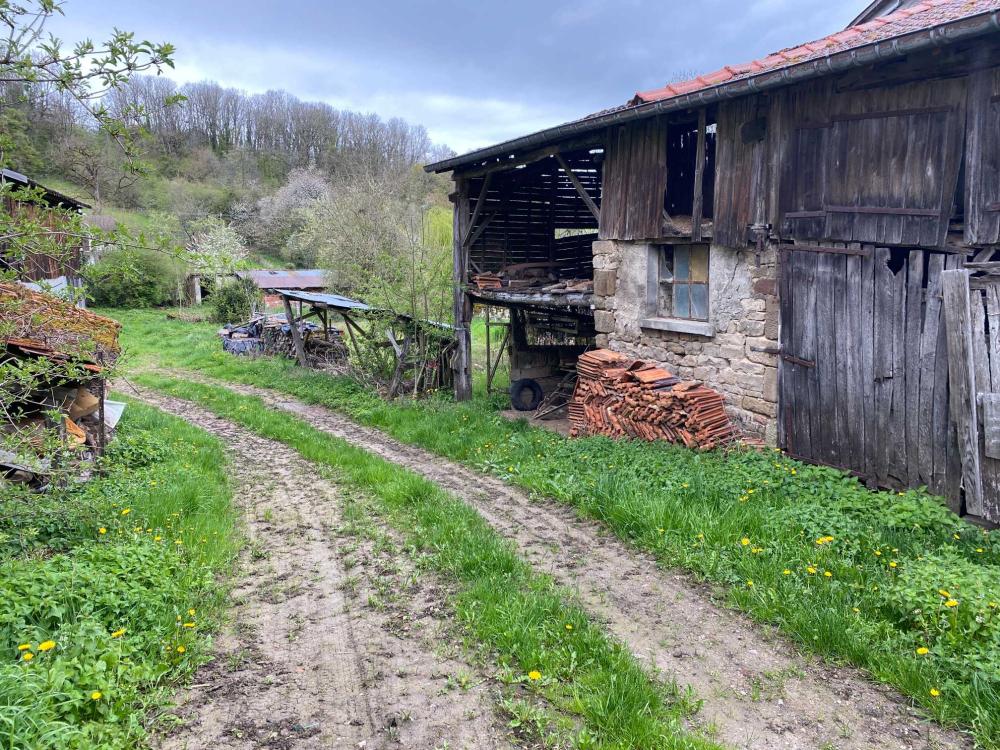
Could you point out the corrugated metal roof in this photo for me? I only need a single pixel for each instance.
(925, 25)
(925, 15)
(52, 196)
(300, 278)
(335, 301)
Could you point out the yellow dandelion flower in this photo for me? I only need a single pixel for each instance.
(745, 541)
(118, 633)
(811, 570)
(951, 603)
(27, 656)
(979, 550)
(935, 692)
(191, 612)
(46, 645)
(827, 574)
(923, 651)
(24, 647)
(534, 675)
(189, 625)
(569, 626)
(878, 553)
(126, 511)
(157, 538)
(944, 593)
(181, 649)
(893, 564)
(96, 695)
(749, 584)
(786, 572)
(102, 530)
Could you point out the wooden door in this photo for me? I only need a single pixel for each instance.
(864, 368)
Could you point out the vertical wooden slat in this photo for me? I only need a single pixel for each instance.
(993, 316)
(928, 369)
(699, 179)
(911, 368)
(897, 414)
(825, 443)
(841, 331)
(885, 301)
(866, 342)
(462, 307)
(852, 337)
(961, 381)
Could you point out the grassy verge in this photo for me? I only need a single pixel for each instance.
(893, 583)
(109, 588)
(519, 614)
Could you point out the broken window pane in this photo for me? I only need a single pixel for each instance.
(699, 301)
(682, 307)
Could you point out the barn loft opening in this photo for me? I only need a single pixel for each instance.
(682, 162)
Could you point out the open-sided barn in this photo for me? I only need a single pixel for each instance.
(812, 234)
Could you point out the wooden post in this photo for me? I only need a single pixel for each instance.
(300, 350)
(699, 179)
(962, 381)
(580, 189)
(462, 303)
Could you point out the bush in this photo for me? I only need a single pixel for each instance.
(134, 278)
(236, 301)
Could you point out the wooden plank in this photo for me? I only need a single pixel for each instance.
(580, 189)
(809, 396)
(462, 306)
(850, 337)
(911, 365)
(300, 350)
(962, 382)
(991, 426)
(480, 202)
(826, 441)
(884, 322)
(699, 179)
(866, 342)
(897, 412)
(928, 371)
(852, 249)
(993, 317)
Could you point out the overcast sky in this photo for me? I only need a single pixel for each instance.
(473, 72)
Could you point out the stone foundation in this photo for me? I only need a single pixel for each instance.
(735, 353)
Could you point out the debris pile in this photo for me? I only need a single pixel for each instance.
(621, 397)
(544, 278)
(272, 335)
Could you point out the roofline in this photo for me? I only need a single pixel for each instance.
(916, 41)
(863, 14)
(10, 174)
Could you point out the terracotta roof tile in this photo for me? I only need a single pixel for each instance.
(920, 17)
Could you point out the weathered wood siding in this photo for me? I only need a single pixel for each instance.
(982, 173)
(864, 371)
(635, 181)
(875, 165)
(737, 181)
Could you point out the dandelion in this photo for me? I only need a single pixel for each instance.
(96, 695)
(979, 550)
(569, 626)
(534, 675)
(46, 645)
(923, 651)
(827, 574)
(878, 553)
(811, 570)
(749, 584)
(955, 536)
(685, 485)
(157, 538)
(935, 692)
(745, 541)
(191, 612)
(126, 511)
(24, 647)
(118, 633)
(102, 530)
(27, 656)
(893, 564)
(944, 593)
(786, 572)
(189, 625)
(951, 603)
(181, 649)
(855, 610)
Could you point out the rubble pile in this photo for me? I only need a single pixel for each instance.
(622, 397)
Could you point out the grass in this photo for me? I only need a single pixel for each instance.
(526, 621)
(98, 582)
(905, 575)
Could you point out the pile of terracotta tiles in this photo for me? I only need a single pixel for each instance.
(621, 397)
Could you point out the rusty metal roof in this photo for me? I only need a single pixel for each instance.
(928, 24)
(300, 278)
(925, 15)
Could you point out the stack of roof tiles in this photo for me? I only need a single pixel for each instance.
(621, 397)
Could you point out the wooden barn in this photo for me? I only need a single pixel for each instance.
(812, 234)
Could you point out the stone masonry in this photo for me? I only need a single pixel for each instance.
(735, 354)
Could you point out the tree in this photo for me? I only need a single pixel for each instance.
(215, 247)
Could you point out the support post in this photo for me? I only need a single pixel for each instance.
(962, 381)
(699, 179)
(462, 303)
(580, 189)
(300, 350)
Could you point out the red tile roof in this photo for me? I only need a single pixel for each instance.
(919, 17)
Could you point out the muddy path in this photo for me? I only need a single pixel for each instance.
(336, 642)
(758, 690)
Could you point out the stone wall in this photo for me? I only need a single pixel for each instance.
(734, 354)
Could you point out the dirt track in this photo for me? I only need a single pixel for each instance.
(335, 643)
(758, 690)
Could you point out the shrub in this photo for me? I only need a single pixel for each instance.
(134, 278)
(235, 301)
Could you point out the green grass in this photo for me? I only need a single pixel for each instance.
(889, 559)
(520, 615)
(96, 571)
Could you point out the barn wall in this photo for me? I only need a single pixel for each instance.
(635, 181)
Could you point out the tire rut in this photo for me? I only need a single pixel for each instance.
(758, 690)
(307, 664)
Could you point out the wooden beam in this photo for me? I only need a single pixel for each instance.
(462, 305)
(962, 381)
(595, 140)
(579, 187)
(699, 179)
(476, 234)
(480, 202)
(300, 350)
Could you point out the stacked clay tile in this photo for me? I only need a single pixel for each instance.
(621, 397)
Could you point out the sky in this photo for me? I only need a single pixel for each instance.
(473, 72)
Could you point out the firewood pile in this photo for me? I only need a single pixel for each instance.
(272, 335)
(621, 397)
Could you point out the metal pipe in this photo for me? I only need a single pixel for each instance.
(949, 33)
